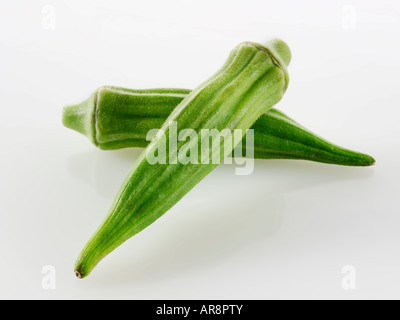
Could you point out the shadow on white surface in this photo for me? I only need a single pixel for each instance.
(218, 224)
(102, 170)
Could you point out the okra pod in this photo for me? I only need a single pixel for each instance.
(115, 118)
(253, 79)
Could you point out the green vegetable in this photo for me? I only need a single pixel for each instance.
(115, 118)
(252, 80)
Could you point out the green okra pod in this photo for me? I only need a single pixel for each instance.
(252, 80)
(114, 118)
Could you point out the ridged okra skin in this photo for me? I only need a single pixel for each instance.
(279, 137)
(114, 118)
(252, 80)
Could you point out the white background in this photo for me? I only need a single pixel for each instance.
(285, 232)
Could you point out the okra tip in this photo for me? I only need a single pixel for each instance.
(81, 272)
(358, 159)
(84, 265)
(371, 161)
(80, 117)
(280, 50)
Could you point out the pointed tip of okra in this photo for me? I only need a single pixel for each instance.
(357, 159)
(369, 161)
(280, 50)
(80, 117)
(81, 271)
